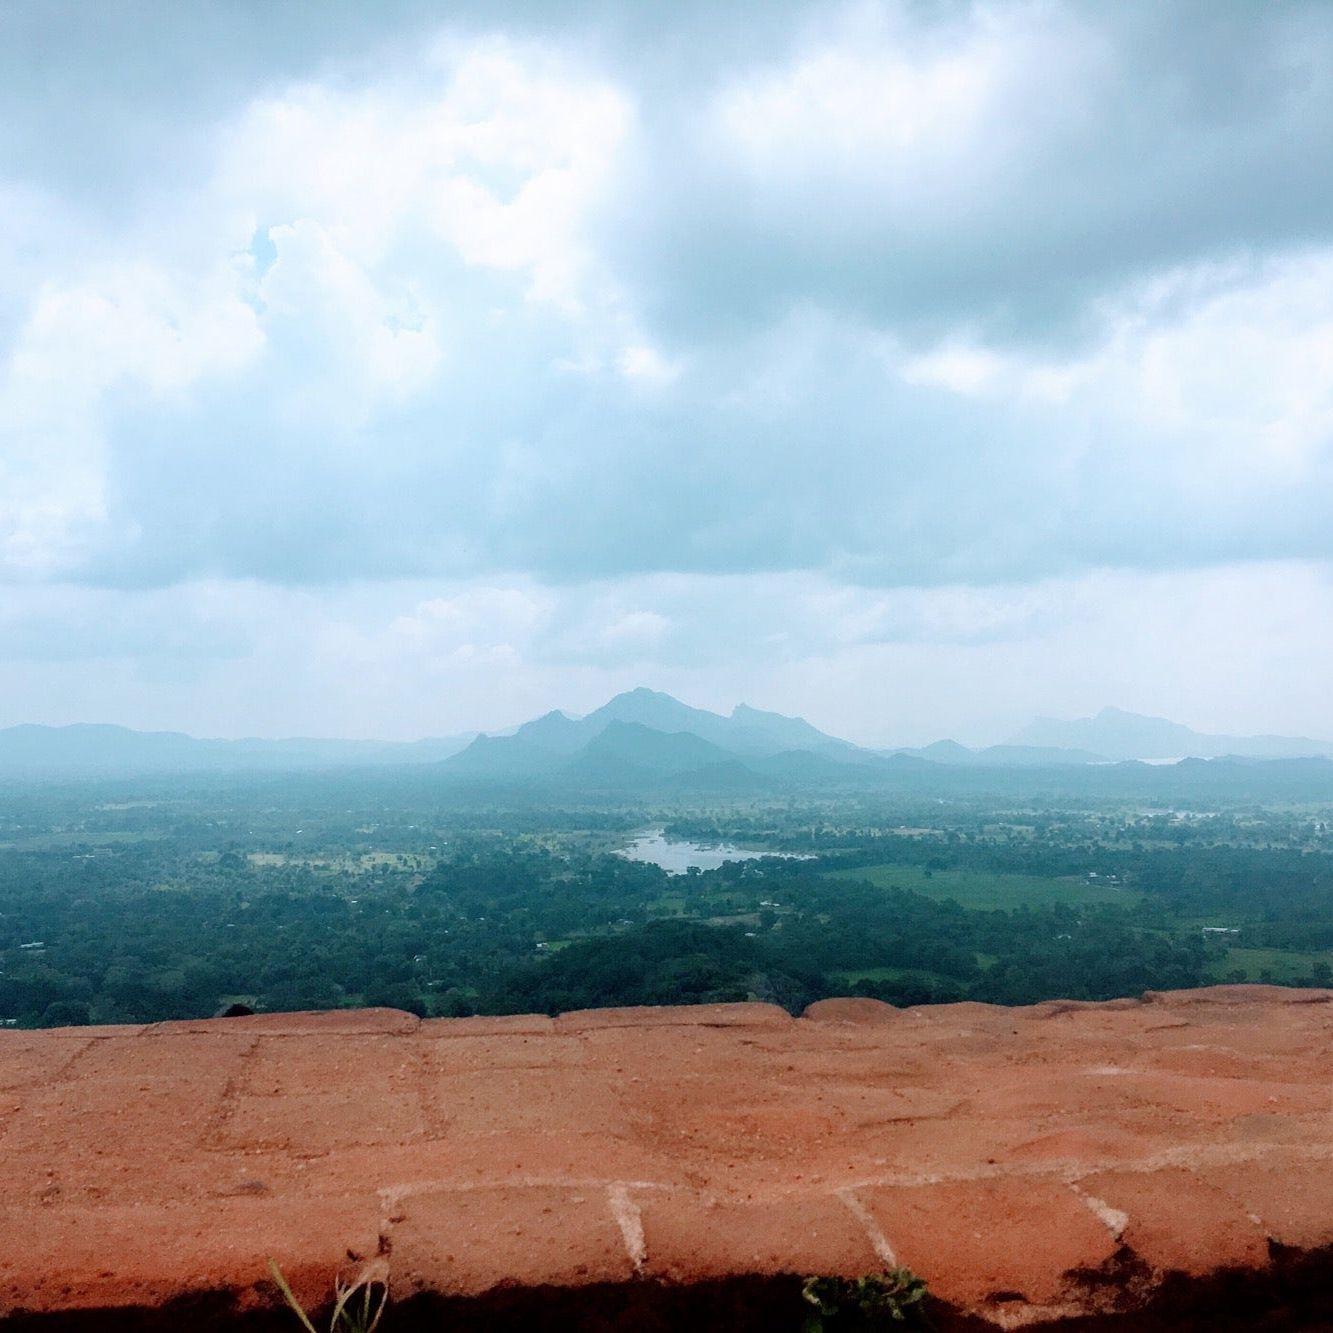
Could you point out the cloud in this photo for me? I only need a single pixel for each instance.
(408, 659)
(361, 445)
(387, 332)
(996, 167)
(884, 306)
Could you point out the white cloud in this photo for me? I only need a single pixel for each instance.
(328, 252)
(495, 150)
(879, 94)
(1209, 386)
(859, 337)
(965, 370)
(1249, 369)
(408, 659)
(377, 343)
(125, 328)
(647, 365)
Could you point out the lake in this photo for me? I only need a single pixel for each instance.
(676, 857)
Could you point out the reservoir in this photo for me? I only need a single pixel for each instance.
(676, 857)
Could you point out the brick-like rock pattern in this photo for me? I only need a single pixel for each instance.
(1018, 1159)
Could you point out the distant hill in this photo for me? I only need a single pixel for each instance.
(502, 756)
(101, 749)
(1117, 734)
(645, 742)
(746, 731)
(638, 738)
(644, 738)
(1002, 756)
(653, 750)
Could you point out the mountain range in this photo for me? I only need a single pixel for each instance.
(640, 738)
(103, 749)
(650, 725)
(643, 736)
(1115, 734)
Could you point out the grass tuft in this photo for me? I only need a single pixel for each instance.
(357, 1307)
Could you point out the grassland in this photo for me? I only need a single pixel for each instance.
(982, 891)
(1280, 965)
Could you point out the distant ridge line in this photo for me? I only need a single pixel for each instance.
(642, 736)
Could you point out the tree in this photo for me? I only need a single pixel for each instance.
(66, 1014)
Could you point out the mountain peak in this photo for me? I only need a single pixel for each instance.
(642, 692)
(749, 710)
(1110, 713)
(649, 706)
(640, 721)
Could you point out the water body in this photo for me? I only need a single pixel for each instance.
(676, 857)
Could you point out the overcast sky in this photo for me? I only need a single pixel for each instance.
(398, 369)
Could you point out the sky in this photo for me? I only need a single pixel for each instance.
(403, 369)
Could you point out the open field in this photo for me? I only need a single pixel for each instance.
(982, 891)
(1281, 965)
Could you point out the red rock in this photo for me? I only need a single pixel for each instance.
(688, 1236)
(162, 1057)
(310, 1124)
(504, 1101)
(690, 1015)
(1054, 1008)
(1176, 1221)
(77, 1258)
(514, 1050)
(302, 1024)
(858, 1009)
(501, 1025)
(463, 1242)
(30, 1060)
(1087, 1146)
(1290, 1194)
(1245, 994)
(992, 1241)
(1006, 1155)
(291, 1066)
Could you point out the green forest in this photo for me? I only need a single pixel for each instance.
(156, 900)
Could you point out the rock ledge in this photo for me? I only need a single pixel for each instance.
(1035, 1165)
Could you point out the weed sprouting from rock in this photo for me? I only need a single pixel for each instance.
(844, 1305)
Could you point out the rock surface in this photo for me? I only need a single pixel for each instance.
(1034, 1165)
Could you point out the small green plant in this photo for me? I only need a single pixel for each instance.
(896, 1296)
(357, 1306)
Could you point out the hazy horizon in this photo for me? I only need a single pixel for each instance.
(917, 370)
(976, 742)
